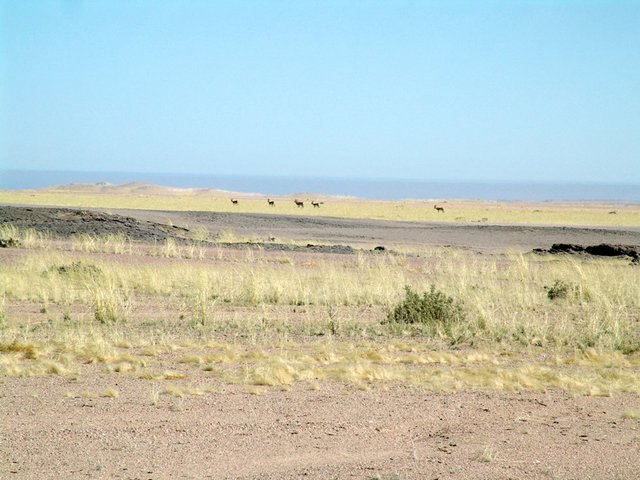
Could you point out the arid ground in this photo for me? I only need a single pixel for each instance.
(153, 226)
(157, 344)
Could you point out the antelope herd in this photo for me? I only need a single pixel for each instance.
(300, 204)
(272, 203)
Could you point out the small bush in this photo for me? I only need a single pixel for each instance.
(110, 306)
(563, 290)
(77, 268)
(432, 308)
(9, 243)
(559, 289)
(3, 313)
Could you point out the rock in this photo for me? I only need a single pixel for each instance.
(602, 250)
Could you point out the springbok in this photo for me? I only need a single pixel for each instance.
(439, 209)
(299, 203)
(234, 201)
(271, 203)
(316, 204)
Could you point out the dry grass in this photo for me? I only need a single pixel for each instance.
(488, 455)
(364, 365)
(273, 321)
(505, 299)
(630, 415)
(455, 211)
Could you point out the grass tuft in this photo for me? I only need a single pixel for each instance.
(488, 455)
(630, 415)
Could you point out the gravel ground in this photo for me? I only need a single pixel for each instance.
(335, 235)
(336, 431)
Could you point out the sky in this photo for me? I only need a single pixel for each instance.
(428, 90)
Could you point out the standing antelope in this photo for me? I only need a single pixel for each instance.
(316, 204)
(234, 201)
(272, 203)
(299, 203)
(439, 209)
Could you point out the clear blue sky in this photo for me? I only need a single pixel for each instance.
(448, 90)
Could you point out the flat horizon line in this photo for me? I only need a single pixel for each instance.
(345, 178)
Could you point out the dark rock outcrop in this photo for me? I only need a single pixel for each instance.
(601, 250)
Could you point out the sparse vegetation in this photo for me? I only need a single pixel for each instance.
(177, 335)
(488, 455)
(432, 309)
(630, 415)
(78, 268)
(3, 313)
(560, 290)
(270, 321)
(117, 243)
(9, 242)
(12, 237)
(491, 212)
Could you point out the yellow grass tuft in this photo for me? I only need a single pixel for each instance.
(276, 372)
(193, 359)
(28, 350)
(169, 375)
(254, 390)
(151, 350)
(181, 391)
(109, 393)
(487, 455)
(88, 394)
(630, 415)
(174, 390)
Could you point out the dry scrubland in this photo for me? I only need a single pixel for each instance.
(267, 319)
(167, 324)
(149, 197)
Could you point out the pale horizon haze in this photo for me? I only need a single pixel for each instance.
(505, 91)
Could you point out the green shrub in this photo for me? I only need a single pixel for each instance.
(559, 289)
(77, 268)
(3, 313)
(433, 308)
(9, 243)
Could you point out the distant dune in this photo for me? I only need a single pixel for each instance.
(136, 188)
(146, 189)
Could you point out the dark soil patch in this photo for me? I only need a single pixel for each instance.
(63, 223)
(283, 247)
(601, 250)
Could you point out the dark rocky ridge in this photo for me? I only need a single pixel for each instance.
(601, 250)
(63, 223)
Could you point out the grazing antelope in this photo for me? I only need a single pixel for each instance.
(271, 203)
(299, 203)
(234, 201)
(316, 204)
(439, 209)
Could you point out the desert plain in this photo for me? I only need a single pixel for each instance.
(154, 333)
